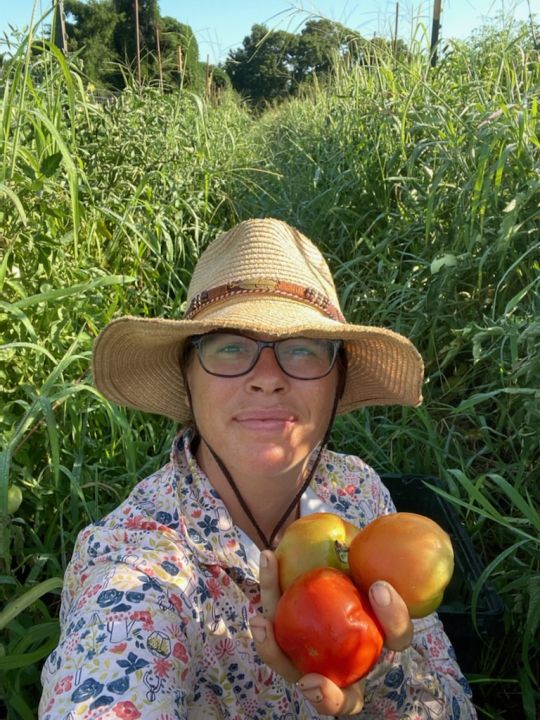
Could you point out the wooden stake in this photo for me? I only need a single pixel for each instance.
(159, 59)
(396, 29)
(533, 29)
(435, 31)
(137, 39)
(60, 39)
(208, 75)
(180, 67)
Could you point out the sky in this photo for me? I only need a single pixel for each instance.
(221, 25)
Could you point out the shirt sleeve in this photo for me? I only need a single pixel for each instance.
(123, 652)
(423, 682)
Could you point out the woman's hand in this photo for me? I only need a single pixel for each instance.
(326, 696)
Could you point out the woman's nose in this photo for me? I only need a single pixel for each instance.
(267, 374)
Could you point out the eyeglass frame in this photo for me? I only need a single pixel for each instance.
(195, 341)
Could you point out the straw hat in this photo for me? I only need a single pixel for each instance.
(263, 276)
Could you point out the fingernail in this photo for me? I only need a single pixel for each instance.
(381, 594)
(313, 694)
(305, 686)
(258, 633)
(263, 562)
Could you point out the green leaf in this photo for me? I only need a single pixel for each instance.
(15, 200)
(22, 317)
(5, 464)
(11, 662)
(518, 501)
(14, 608)
(79, 289)
(489, 570)
(532, 622)
(50, 164)
(52, 432)
(478, 398)
(528, 695)
(3, 268)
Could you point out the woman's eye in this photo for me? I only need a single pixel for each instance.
(230, 349)
(301, 351)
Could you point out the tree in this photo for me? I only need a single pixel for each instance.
(90, 27)
(174, 35)
(320, 45)
(125, 36)
(262, 70)
(272, 64)
(377, 50)
(220, 79)
(103, 33)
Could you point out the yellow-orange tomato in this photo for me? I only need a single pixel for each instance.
(318, 540)
(411, 552)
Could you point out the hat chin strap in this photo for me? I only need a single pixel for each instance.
(268, 541)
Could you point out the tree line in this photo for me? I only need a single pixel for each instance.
(269, 66)
(103, 34)
(272, 65)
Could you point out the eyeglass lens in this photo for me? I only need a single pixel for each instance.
(228, 354)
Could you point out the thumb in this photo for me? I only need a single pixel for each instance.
(269, 583)
(393, 615)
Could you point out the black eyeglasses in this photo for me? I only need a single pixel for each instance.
(232, 354)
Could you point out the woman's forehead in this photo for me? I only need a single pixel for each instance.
(255, 335)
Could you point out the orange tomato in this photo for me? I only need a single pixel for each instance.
(411, 552)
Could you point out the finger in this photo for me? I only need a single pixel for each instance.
(393, 615)
(269, 583)
(328, 698)
(269, 651)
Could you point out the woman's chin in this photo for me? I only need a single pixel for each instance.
(273, 459)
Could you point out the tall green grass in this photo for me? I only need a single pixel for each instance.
(103, 209)
(422, 187)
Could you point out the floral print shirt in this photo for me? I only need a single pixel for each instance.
(157, 600)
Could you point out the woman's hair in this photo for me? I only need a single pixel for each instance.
(342, 364)
(186, 356)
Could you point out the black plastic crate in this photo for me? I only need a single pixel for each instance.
(410, 494)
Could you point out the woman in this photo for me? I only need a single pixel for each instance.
(168, 602)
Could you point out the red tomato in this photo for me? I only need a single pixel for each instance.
(324, 624)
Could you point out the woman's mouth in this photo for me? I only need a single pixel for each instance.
(265, 420)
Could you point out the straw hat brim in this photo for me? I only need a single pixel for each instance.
(136, 361)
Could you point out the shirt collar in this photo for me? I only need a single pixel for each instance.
(210, 529)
